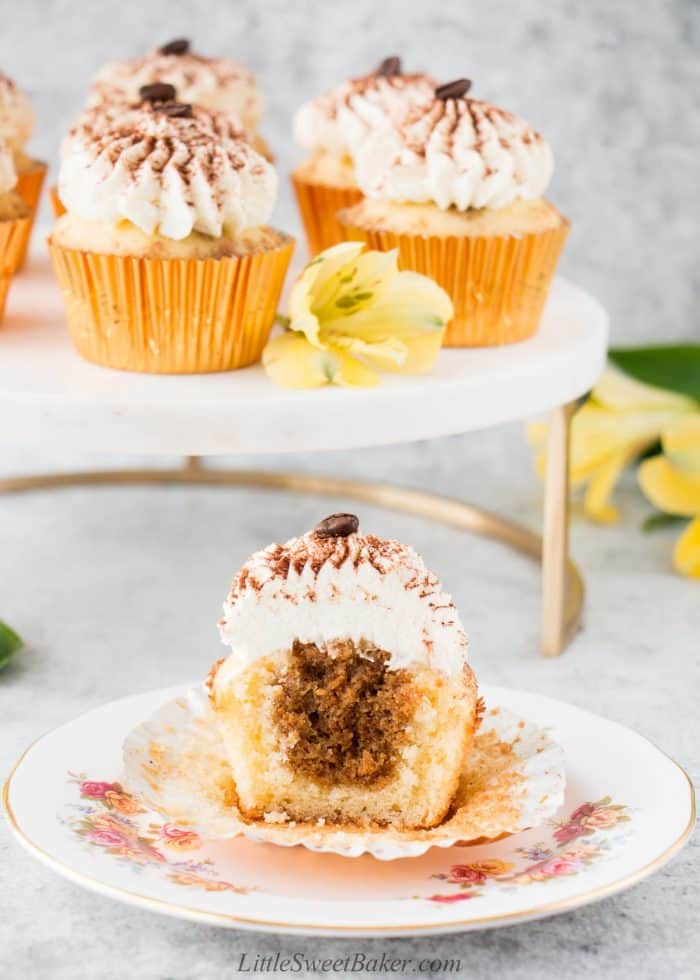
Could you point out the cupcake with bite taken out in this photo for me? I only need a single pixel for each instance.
(332, 128)
(15, 223)
(164, 256)
(346, 697)
(457, 187)
(16, 127)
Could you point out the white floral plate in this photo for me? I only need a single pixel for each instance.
(628, 809)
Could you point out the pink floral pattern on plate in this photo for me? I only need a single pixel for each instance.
(110, 818)
(576, 843)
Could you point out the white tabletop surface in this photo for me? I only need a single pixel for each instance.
(50, 396)
(118, 590)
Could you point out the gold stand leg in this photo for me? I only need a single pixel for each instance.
(558, 623)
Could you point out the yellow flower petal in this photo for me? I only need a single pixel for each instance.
(596, 432)
(619, 391)
(681, 442)
(596, 503)
(353, 373)
(406, 307)
(358, 285)
(670, 490)
(389, 351)
(358, 311)
(291, 361)
(317, 279)
(536, 433)
(686, 554)
(421, 353)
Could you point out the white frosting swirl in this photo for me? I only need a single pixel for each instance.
(339, 121)
(95, 119)
(458, 153)
(215, 83)
(16, 115)
(318, 590)
(8, 176)
(166, 174)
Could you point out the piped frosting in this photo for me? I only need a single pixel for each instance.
(16, 115)
(165, 172)
(215, 83)
(358, 587)
(8, 176)
(338, 122)
(455, 152)
(97, 118)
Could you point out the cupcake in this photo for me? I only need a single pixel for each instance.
(164, 258)
(457, 187)
(213, 83)
(15, 223)
(332, 128)
(16, 127)
(346, 698)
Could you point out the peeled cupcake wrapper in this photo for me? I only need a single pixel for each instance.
(175, 763)
(14, 235)
(498, 283)
(319, 205)
(29, 184)
(171, 316)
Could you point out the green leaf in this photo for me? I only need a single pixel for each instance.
(655, 522)
(674, 368)
(10, 643)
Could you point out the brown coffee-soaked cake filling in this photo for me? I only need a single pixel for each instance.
(343, 713)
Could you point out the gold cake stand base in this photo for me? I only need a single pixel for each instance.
(562, 584)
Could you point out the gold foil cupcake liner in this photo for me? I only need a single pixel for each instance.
(175, 764)
(171, 316)
(14, 235)
(29, 185)
(319, 205)
(56, 202)
(498, 284)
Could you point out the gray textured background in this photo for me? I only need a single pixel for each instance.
(117, 591)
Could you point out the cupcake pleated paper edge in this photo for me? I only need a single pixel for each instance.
(318, 206)
(514, 779)
(171, 316)
(498, 283)
(14, 235)
(29, 185)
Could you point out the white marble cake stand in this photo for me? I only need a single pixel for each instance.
(50, 397)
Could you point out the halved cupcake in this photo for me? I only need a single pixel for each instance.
(347, 697)
(16, 127)
(332, 128)
(457, 187)
(164, 258)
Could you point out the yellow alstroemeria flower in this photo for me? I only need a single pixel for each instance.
(672, 483)
(621, 419)
(352, 313)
